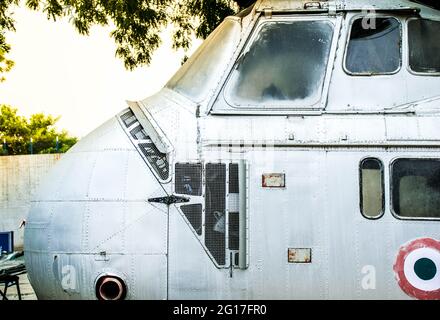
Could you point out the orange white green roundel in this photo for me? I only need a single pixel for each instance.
(417, 269)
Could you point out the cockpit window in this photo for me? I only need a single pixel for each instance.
(285, 65)
(374, 46)
(424, 46)
(416, 188)
(199, 75)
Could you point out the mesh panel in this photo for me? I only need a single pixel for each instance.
(215, 211)
(233, 230)
(189, 179)
(193, 213)
(157, 159)
(233, 178)
(128, 118)
(139, 133)
(233, 207)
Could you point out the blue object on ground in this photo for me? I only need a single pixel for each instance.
(7, 242)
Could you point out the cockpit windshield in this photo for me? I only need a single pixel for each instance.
(199, 75)
(285, 65)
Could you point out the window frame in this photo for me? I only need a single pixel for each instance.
(408, 53)
(221, 103)
(382, 175)
(347, 43)
(395, 215)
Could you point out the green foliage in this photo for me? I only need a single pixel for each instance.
(199, 18)
(5, 64)
(18, 131)
(137, 23)
(6, 23)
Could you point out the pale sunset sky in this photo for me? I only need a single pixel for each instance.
(62, 73)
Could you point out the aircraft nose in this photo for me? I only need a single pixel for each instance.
(91, 229)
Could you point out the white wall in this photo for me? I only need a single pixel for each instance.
(19, 179)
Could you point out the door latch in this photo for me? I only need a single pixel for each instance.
(168, 200)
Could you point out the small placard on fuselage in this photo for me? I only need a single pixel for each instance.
(274, 180)
(299, 255)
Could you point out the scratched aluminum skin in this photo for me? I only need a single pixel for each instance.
(92, 217)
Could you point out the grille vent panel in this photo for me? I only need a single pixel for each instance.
(215, 218)
(128, 118)
(188, 178)
(193, 213)
(156, 160)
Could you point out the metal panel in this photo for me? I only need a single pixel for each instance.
(104, 226)
(109, 175)
(69, 234)
(144, 230)
(149, 277)
(78, 170)
(192, 271)
(282, 218)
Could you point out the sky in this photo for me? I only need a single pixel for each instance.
(59, 72)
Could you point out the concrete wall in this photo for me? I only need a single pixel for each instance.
(19, 179)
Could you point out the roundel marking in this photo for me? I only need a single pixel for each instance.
(425, 269)
(417, 269)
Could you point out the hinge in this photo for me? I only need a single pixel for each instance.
(169, 200)
(313, 5)
(332, 8)
(268, 13)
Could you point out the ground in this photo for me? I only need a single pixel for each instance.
(27, 293)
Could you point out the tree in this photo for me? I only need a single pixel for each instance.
(6, 23)
(16, 133)
(5, 64)
(137, 23)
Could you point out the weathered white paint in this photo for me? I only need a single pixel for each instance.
(93, 212)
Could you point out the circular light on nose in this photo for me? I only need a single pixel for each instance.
(417, 269)
(110, 288)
